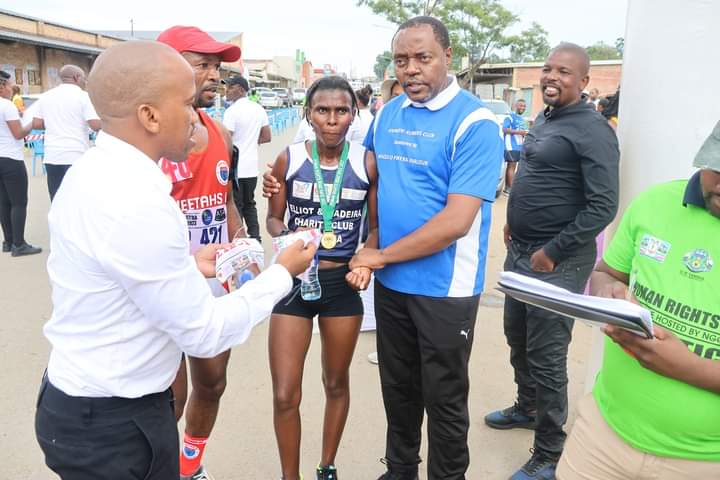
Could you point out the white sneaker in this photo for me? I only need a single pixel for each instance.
(373, 358)
(201, 474)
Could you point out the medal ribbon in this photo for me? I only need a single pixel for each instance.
(327, 205)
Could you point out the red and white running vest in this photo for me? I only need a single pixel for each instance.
(200, 188)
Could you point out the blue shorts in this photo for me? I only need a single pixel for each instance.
(512, 155)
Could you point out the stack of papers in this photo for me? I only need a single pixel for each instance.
(592, 310)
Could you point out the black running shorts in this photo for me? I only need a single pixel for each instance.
(338, 299)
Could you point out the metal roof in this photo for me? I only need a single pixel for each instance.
(28, 17)
(153, 34)
(492, 66)
(48, 42)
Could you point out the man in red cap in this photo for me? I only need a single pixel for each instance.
(203, 191)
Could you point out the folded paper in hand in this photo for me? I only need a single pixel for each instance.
(244, 253)
(592, 310)
(307, 236)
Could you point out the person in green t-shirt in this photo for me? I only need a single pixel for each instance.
(655, 407)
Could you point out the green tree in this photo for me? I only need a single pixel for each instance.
(620, 45)
(381, 63)
(397, 11)
(530, 45)
(477, 28)
(602, 51)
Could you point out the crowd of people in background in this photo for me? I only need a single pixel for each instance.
(401, 187)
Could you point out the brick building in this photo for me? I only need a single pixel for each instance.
(33, 50)
(510, 81)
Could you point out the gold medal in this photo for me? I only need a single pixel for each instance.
(328, 240)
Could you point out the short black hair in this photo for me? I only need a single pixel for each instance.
(364, 94)
(238, 80)
(439, 29)
(578, 50)
(329, 83)
(4, 77)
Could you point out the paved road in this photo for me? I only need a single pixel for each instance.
(243, 444)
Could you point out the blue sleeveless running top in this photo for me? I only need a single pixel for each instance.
(304, 203)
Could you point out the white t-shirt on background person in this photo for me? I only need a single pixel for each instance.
(245, 119)
(10, 147)
(360, 126)
(66, 110)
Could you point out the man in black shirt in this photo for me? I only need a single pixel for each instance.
(564, 195)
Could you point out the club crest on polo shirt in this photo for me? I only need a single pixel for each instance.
(207, 217)
(698, 261)
(653, 247)
(222, 172)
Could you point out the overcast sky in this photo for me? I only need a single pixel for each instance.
(329, 31)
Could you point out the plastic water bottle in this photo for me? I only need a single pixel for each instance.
(243, 278)
(311, 289)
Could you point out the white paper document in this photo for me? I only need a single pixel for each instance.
(592, 310)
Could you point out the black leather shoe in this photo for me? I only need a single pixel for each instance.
(6, 247)
(511, 417)
(24, 249)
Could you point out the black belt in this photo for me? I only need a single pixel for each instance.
(97, 407)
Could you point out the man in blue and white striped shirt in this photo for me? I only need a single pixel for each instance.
(515, 128)
(439, 153)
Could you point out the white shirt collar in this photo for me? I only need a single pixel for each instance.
(136, 159)
(440, 100)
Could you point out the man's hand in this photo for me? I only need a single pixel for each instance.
(507, 236)
(540, 262)
(359, 278)
(205, 258)
(665, 354)
(270, 183)
(615, 289)
(371, 258)
(297, 257)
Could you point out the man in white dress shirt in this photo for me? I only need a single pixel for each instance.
(127, 297)
(67, 115)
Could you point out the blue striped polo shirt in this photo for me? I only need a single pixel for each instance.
(451, 144)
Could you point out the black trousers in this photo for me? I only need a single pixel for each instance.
(539, 341)
(244, 195)
(424, 346)
(107, 438)
(13, 199)
(55, 175)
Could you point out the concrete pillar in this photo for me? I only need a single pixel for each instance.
(668, 100)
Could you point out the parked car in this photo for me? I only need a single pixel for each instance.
(499, 108)
(298, 95)
(284, 95)
(501, 111)
(270, 99)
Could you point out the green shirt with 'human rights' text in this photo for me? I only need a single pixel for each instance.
(669, 245)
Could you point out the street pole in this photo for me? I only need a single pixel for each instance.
(668, 101)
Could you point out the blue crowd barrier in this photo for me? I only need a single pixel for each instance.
(281, 119)
(36, 142)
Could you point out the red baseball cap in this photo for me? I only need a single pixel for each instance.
(192, 39)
